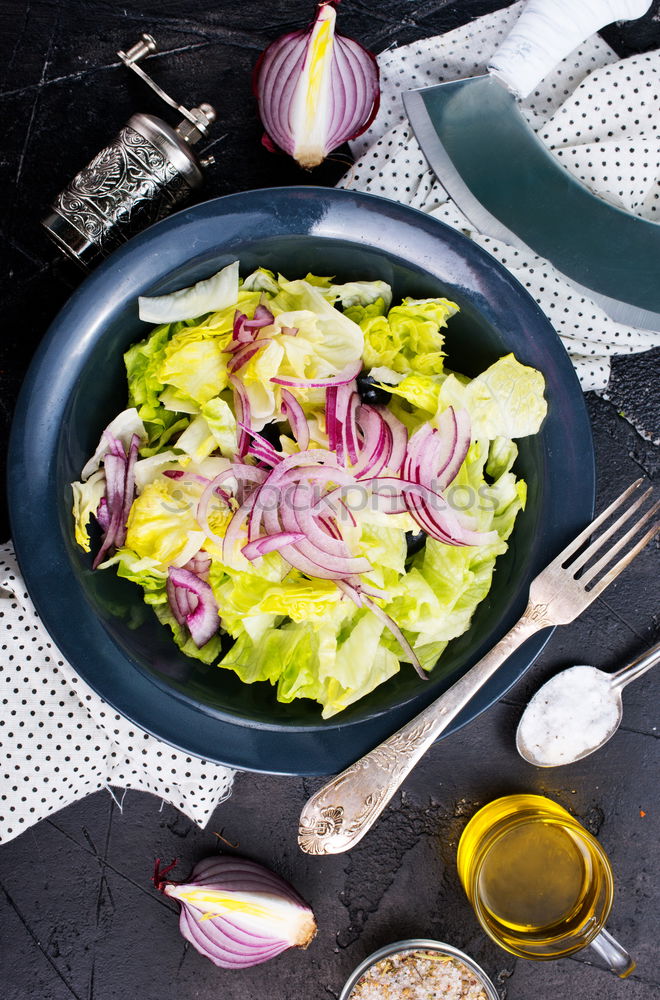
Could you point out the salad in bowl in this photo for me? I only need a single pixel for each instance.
(303, 490)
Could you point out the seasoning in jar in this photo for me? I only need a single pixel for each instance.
(418, 975)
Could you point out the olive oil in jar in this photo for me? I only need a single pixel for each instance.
(540, 885)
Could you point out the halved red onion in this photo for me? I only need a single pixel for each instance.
(316, 89)
(238, 913)
(202, 619)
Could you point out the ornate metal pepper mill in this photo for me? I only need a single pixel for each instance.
(146, 172)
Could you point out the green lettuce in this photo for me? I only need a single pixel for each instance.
(304, 662)
(221, 422)
(193, 364)
(504, 401)
(408, 339)
(143, 361)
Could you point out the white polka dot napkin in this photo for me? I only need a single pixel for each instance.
(597, 113)
(59, 741)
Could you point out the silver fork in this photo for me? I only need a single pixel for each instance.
(337, 816)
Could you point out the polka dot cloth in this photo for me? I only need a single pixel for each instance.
(598, 114)
(59, 741)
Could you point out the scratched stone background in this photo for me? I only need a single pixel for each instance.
(79, 918)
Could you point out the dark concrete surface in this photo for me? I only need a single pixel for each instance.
(79, 918)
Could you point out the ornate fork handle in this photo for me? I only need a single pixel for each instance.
(337, 816)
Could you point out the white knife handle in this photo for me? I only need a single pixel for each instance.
(547, 31)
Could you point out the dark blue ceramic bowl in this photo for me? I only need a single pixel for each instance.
(77, 383)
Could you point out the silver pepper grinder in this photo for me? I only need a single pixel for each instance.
(146, 172)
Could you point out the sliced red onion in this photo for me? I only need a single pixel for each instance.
(175, 606)
(316, 89)
(238, 913)
(129, 489)
(262, 317)
(347, 374)
(115, 447)
(174, 473)
(102, 515)
(351, 428)
(377, 445)
(347, 401)
(199, 564)
(300, 513)
(236, 470)
(309, 558)
(261, 448)
(446, 475)
(270, 543)
(331, 416)
(351, 592)
(390, 624)
(115, 479)
(202, 620)
(246, 352)
(399, 439)
(245, 329)
(243, 415)
(235, 527)
(295, 414)
(330, 525)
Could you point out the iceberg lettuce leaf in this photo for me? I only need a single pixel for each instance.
(214, 293)
(193, 363)
(221, 422)
(504, 401)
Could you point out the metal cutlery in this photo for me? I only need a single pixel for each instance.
(337, 816)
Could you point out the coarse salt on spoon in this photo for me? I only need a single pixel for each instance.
(576, 712)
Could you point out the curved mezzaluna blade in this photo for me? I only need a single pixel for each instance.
(512, 188)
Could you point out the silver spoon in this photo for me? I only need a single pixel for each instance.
(576, 712)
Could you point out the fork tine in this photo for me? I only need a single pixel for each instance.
(621, 565)
(597, 543)
(590, 528)
(592, 572)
